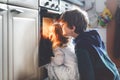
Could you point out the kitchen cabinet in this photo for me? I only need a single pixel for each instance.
(3, 1)
(18, 43)
(3, 42)
(25, 3)
(23, 40)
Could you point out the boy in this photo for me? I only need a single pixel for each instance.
(93, 61)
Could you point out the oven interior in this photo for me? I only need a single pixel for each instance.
(45, 49)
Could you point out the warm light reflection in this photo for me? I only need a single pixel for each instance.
(52, 30)
(47, 22)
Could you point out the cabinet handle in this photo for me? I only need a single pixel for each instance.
(3, 9)
(17, 11)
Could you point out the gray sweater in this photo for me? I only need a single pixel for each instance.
(63, 65)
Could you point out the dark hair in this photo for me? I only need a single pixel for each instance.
(58, 36)
(75, 18)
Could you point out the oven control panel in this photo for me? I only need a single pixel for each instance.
(64, 6)
(50, 4)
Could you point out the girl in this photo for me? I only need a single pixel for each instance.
(63, 65)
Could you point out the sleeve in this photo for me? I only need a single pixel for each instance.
(85, 65)
(58, 58)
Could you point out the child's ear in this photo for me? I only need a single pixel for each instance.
(73, 28)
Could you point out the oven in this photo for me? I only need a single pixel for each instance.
(49, 12)
(47, 18)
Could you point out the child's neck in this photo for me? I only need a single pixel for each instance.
(75, 35)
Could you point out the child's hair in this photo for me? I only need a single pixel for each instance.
(77, 18)
(56, 36)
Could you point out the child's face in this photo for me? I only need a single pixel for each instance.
(66, 30)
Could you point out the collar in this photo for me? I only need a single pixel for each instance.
(78, 37)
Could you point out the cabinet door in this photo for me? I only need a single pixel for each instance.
(4, 1)
(3, 42)
(23, 41)
(25, 3)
